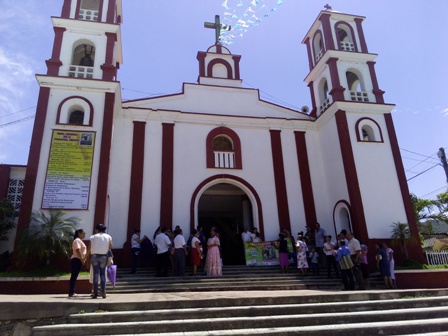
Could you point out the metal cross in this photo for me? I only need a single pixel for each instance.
(217, 26)
(328, 7)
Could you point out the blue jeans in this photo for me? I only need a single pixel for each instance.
(76, 266)
(99, 262)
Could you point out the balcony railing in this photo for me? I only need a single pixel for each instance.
(360, 96)
(88, 14)
(80, 71)
(224, 159)
(324, 105)
(319, 55)
(347, 46)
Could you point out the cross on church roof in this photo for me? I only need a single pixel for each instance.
(328, 7)
(217, 26)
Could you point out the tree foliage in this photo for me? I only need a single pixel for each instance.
(401, 235)
(431, 209)
(7, 218)
(47, 238)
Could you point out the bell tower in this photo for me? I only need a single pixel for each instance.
(68, 164)
(355, 125)
(341, 67)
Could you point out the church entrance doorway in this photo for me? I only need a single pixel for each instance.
(228, 208)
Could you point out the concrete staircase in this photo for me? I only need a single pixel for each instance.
(323, 313)
(234, 277)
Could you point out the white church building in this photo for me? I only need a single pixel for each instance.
(215, 154)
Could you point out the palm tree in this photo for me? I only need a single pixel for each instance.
(46, 238)
(402, 235)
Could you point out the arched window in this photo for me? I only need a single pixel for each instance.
(223, 149)
(89, 10)
(222, 143)
(356, 87)
(345, 37)
(324, 97)
(83, 61)
(318, 46)
(368, 130)
(76, 118)
(75, 110)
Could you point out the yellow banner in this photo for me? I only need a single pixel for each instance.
(67, 185)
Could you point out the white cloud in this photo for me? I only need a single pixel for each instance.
(445, 112)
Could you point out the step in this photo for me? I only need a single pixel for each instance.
(260, 310)
(220, 316)
(323, 322)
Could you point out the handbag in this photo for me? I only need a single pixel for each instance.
(346, 262)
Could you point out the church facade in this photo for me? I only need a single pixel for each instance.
(215, 154)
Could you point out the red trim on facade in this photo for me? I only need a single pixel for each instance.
(58, 116)
(352, 32)
(305, 179)
(313, 99)
(362, 38)
(334, 214)
(337, 91)
(376, 89)
(54, 63)
(280, 181)
(310, 56)
(351, 177)
(215, 61)
(358, 134)
(104, 164)
(416, 252)
(109, 69)
(326, 28)
(111, 11)
(166, 193)
(78, 7)
(236, 146)
(137, 172)
(65, 13)
(5, 173)
(236, 62)
(33, 159)
(201, 58)
(230, 177)
(100, 11)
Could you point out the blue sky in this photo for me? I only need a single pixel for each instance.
(161, 40)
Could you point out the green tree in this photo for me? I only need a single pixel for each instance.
(401, 235)
(46, 238)
(7, 218)
(431, 209)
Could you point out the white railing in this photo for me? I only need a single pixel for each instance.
(224, 159)
(347, 46)
(437, 258)
(80, 71)
(88, 14)
(360, 96)
(319, 55)
(324, 105)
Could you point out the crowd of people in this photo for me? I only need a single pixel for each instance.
(311, 251)
(346, 257)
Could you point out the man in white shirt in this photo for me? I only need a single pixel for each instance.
(163, 244)
(246, 236)
(180, 252)
(100, 245)
(355, 251)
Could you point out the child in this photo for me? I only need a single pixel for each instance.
(314, 259)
